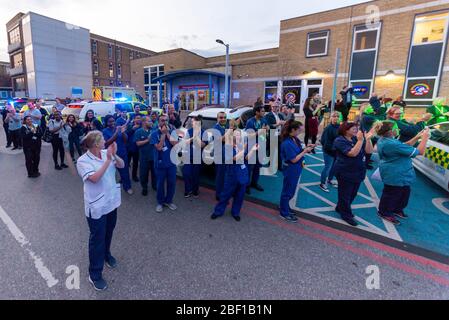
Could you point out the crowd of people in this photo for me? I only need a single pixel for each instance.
(140, 147)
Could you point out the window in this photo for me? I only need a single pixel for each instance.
(111, 70)
(138, 55)
(131, 55)
(14, 36)
(124, 107)
(17, 60)
(317, 44)
(440, 133)
(366, 40)
(110, 52)
(430, 29)
(94, 47)
(271, 90)
(291, 92)
(111, 82)
(19, 84)
(150, 73)
(96, 68)
(96, 82)
(119, 71)
(119, 54)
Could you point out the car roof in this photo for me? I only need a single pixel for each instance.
(212, 113)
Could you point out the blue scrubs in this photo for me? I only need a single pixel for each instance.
(146, 155)
(290, 149)
(254, 169)
(220, 169)
(350, 173)
(165, 169)
(122, 152)
(191, 171)
(235, 182)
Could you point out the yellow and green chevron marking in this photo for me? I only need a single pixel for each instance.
(438, 156)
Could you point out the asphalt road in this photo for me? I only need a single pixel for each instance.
(185, 255)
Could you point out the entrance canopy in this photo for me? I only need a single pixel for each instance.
(186, 73)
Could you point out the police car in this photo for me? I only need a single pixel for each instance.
(435, 163)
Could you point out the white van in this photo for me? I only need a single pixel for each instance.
(101, 109)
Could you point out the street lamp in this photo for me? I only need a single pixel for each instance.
(226, 73)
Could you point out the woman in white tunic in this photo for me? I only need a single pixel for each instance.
(102, 197)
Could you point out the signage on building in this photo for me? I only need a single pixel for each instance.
(77, 92)
(360, 90)
(194, 86)
(290, 97)
(420, 89)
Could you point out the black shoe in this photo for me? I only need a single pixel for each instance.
(214, 217)
(392, 220)
(187, 195)
(58, 167)
(144, 193)
(238, 219)
(99, 285)
(15, 148)
(196, 195)
(64, 166)
(8, 146)
(401, 215)
(111, 263)
(351, 222)
(290, 218)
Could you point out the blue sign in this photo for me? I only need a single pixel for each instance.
(77, 91)
(360, 90)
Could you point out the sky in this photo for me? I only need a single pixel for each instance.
(160, 25)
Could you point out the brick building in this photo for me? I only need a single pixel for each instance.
(49, 58)
(5, 81)
(391, 47)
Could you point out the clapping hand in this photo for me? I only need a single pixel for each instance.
(360, 136)
(112, 151)
(426, 133)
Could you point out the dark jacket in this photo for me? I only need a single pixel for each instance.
(328, 137)
(344, 94)
(31, 140)
(77, 131)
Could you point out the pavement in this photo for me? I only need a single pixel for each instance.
(185, 255)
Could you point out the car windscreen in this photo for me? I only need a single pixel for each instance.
(124, 107)
(440, 133)
(208, 123)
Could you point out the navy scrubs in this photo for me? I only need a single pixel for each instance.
(220, 168)
(165, 169)
(122, 152)
(235, 182)
(192, 170)
(290, 148)
(350, 173)
(146, 156)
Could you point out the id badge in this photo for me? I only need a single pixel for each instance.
(164, 149)
(243, 167)
(34, 138)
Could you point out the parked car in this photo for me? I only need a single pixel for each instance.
(73, 109)
(435, 164)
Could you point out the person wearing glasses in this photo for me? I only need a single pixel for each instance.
(220, 168)
(407, 130)
(164, 139)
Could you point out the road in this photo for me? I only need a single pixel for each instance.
(185, 255)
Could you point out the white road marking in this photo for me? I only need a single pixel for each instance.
(439, 204)
(24, 243)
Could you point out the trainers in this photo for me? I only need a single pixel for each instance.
(111, 263)
(401, 215)
(187, 195)
(130, 192)
(64, 166)
(214, 217)
(351, 222)
(290, 218)
(99, 285)
(57, 167)
(159, 209)
(238, 219)
(324, 188)
(171, 206)
(333, 184)
(144, 193)
(392, 220)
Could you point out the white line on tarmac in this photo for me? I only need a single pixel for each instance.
(24, 243)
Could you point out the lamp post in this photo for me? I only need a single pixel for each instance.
(226, 73)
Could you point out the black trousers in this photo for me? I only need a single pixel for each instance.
(16, 138)
(8, 135)
(32, 158)
(394, 200)
(345, 112)
(347, 192)
(307, 135)
(58, 147)
(147, 169)
(101, 232)
(134, 157)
